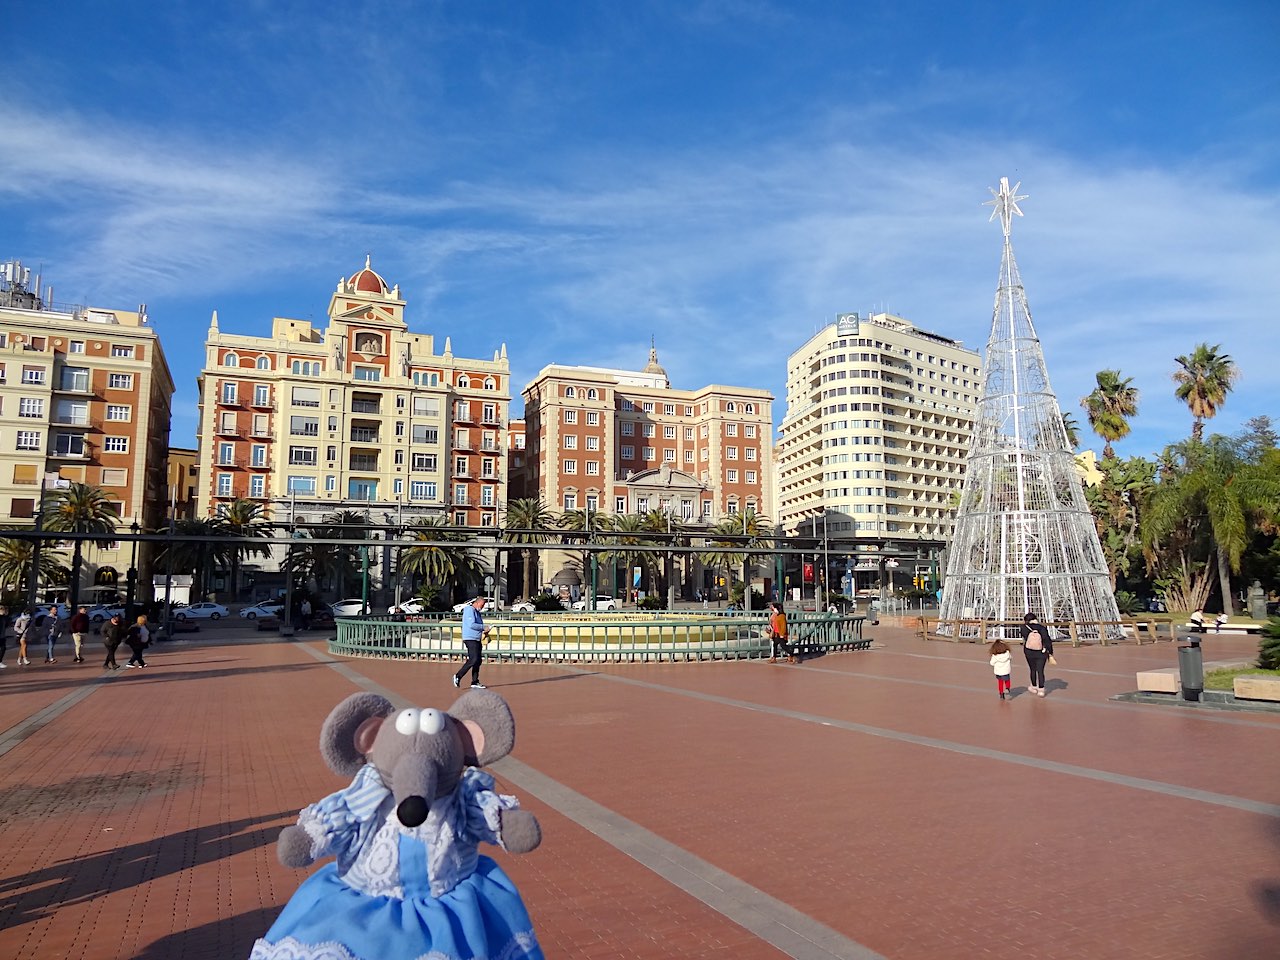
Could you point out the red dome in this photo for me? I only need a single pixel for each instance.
(366, 281)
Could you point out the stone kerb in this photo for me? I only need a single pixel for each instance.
(1257, 688)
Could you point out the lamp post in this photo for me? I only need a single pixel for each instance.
(826, 556)
(168, 564)
(746, 570)
(133, 572)
(595, 562)
(364, 572)
(286, 621)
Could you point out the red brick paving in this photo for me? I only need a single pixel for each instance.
(141, 821)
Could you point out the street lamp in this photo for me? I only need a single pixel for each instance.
(826, 556)
(364, 575)
(133, 571)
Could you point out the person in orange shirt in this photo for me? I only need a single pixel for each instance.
(776, 631)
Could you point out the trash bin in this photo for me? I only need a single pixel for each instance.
(1191, 670)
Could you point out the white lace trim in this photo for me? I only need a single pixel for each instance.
(522, 944)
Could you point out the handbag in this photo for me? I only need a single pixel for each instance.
(1053, 660)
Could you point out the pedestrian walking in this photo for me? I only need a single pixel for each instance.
(1002, 664)
(4, 634)
(21, 629)
(79, 627)
(112, 636)
(305, 610)
(1037, 645)
(54, 634)
(474, 633)
(138, 638)
(776, 631)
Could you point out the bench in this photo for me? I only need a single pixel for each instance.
(1233, 628)
(1257, 688)
(1169, 679)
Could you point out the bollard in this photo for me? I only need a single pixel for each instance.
(1191, 670)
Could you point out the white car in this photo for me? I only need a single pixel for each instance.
(102, 612)
(411, 607)
(201, 611)
(64, 610)
(602, 603)
(458, 607)
(523, 606)
(349, 608)
(267, 609)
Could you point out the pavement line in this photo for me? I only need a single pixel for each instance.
(21, 731)
(782, 926)
(985, 753)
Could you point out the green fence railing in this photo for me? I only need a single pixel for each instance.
(630, 636)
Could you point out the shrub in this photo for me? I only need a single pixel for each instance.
(1269, 645)
(1127, 603)
(651, 602)
(545, 602)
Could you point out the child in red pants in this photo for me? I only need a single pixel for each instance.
(1002, 664)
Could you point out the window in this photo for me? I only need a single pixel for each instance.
(263, 363)
(230, 360)
(36, 375)
(259, 424)
(628, 405)
(302, 456)
(224, 485)
(486, 497)
(331, 452)
(367, 374)
(426, 407)
(424, 461)
(688, 456)
(119, 411)
(751, 453)
(490, 413)
(649, 429)
(749, 430)
(121, 350)
(669, 432)
(226, 454)
(570, 501)
(593, 443)
(228, 392)
(748, 408)
(592, 394)
(730, 429)
(258, 456)
(648, 406)
(619, 504)
(462, 410)
(302, 485)
(330, 483)
(688, 433)
(593, 418)
(669, 409)
(257, 485)
(570, 442)
(464, 382)
(731, 476)
(751, 476)
(226, 422)
(306, 396)
(668, 456)
(31, 407)
(628, 452)
(306, 368)
(731, 453)
(569, 466)
(593, 468)
(488, 468)
(460, 466)
(24, 473)
(570, 392)
(628, 428)
(422, 490)
(261, 395)
(460, 493)
(571, 416)
(115, 477)
(304, 426)
(22, 508)
(648, 453)
(115, 444)
(424, 434)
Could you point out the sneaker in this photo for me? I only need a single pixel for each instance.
(50, 660)
(478, 686)
(131, 666)
(4, 666)
(1039, 693)
(457, 681)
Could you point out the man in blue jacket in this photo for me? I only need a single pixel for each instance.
(474, 633)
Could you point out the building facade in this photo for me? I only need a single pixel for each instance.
(626, 442)
(362, 416)
(85, 397)
(873, 446)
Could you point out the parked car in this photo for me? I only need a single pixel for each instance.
(488, 605)
(265, 609)
(64, 610)
(348, 608)
(523, 606)
(101, 612)
(201, 611)
(602, 603)
(414, 606)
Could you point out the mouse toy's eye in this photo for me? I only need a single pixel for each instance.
(407, 721)
(431, 721)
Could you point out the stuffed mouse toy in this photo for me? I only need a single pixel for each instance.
(407, 881)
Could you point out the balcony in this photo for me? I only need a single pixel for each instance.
(491, 448)
(363, 464)
(228, 429)
(463, 414)
(366, 406)
(267, 404)
(365, 435)
(491, 420)
(489, 477)
(460, 500)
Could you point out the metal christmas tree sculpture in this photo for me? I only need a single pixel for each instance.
(1024, 538)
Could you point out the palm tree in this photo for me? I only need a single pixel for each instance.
(16, 562)
(192, 552)
(1072, 429)
(1204, 380)
(441, 556)
(1108, 408)
(630, 530)
(589, 523)
(348, 561)
(748, 529)
(328, 565)
(528, 521)
(80, 508)
(242, 521)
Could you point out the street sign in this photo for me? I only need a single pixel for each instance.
(488, 581)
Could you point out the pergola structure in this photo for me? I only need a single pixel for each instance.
(1024, 538)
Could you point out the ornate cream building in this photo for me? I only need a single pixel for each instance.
(362, 415)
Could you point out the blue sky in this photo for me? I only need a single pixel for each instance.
(572, 178)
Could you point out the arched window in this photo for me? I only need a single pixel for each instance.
(570, 392)
(464, 381)
(231, 360)
(264, 363)
(591, 393)
(490, 383)
(748, 408)
(731, 407)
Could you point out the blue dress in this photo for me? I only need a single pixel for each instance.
(403, 893)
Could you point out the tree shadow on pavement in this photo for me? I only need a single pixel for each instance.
(34, 895)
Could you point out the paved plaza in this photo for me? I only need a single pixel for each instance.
(881, 803)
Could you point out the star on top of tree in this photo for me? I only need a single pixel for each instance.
(1005, 202)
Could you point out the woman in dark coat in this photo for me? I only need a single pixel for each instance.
(1037, 645)
(112, 637)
